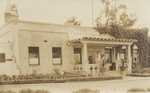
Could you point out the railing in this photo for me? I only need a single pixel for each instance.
(91, 68)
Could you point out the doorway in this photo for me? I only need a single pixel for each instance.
(92, 57)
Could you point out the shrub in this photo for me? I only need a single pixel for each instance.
(73, 74)
(141, 70)
(136, 90)
(86, 91)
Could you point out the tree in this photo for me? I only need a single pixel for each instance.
(115, 13)
(73, 21)
(115, 20)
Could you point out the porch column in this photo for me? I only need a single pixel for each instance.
(85, 54)
(114, 58)
(129, 59)
(85, 59)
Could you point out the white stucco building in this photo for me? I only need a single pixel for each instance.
(42, 47)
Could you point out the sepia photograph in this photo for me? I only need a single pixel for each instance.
(74, 46)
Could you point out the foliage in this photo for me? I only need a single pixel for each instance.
(12, 48)
(115, 13)
(115, 20)
(86, 91)
(128, 33)
(34, 76)
(74, 21)
(142, 70)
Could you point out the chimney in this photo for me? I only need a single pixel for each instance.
(11, 12)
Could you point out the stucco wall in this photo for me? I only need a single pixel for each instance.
(36, 38)
(8, 67)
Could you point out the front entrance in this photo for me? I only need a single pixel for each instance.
(92, 57)
(108, 57)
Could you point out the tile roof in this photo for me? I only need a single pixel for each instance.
(101, 39)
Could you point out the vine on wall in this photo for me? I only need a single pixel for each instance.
(12, 48)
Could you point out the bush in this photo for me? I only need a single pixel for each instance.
(73, 74)
(29, 78)
(141, 70)
(86, 91)
(136, 90)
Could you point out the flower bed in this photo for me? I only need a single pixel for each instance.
(141, 72)
(101, 78)
(138, 75)
(32, 79)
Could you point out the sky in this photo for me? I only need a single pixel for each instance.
(57, 11)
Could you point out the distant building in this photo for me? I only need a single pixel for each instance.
(42, 47)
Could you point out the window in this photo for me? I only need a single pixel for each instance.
(77, 56)
(2, 57)
(56, 51)
(34, 56)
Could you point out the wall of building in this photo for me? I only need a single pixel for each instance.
(36, 39)
(9, 35)
(8, 67)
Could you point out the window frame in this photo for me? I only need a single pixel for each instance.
(38, 56)
(60, 56)
(3, 61)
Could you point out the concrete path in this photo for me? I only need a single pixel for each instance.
(110, 86)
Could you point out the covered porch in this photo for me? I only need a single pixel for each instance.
(93, 53)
